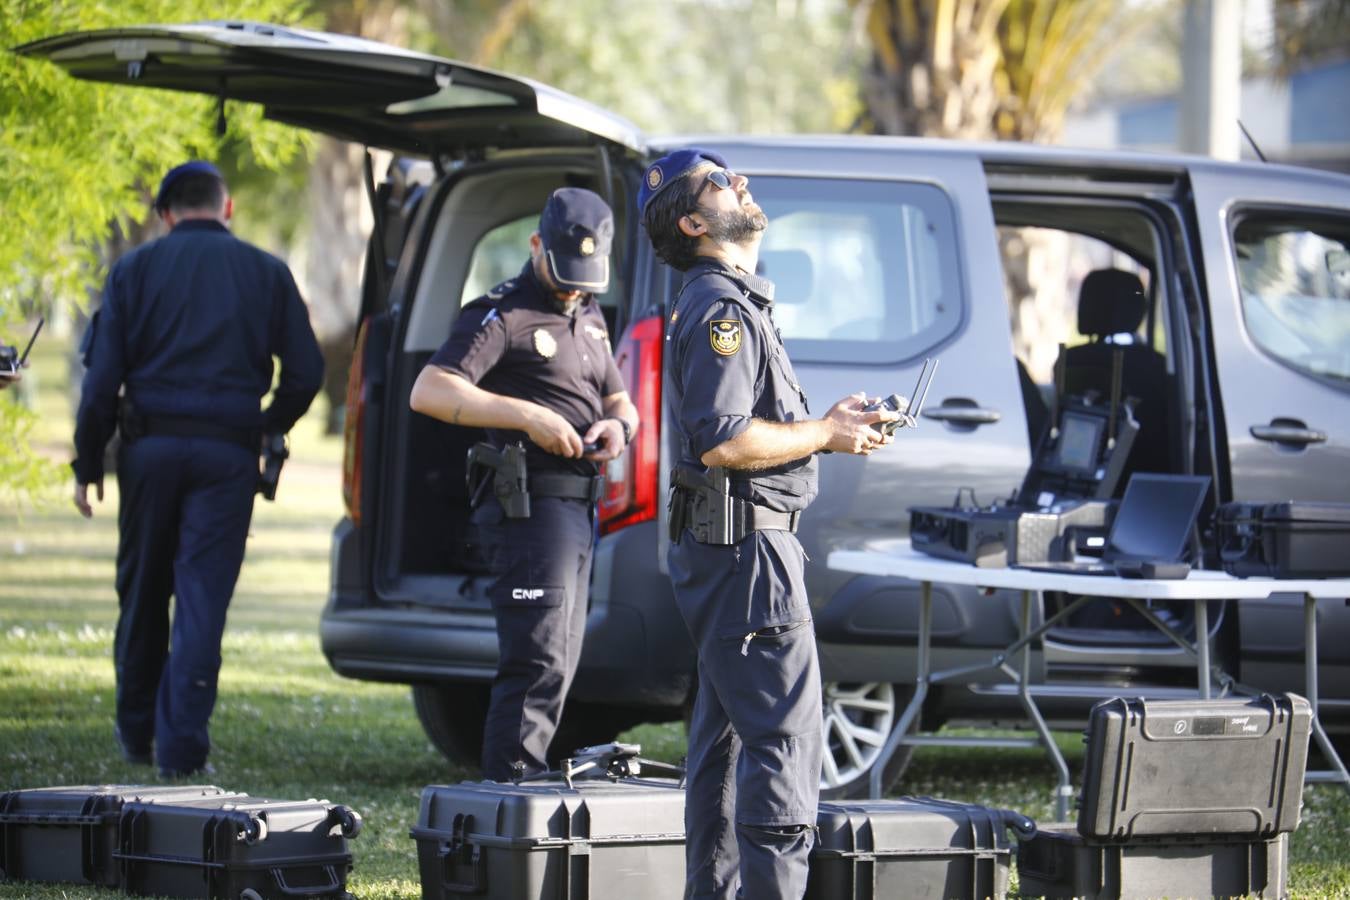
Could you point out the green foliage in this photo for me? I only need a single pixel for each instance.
(708, 66)
(79, 157)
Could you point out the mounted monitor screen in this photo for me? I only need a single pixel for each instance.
(1080, 440)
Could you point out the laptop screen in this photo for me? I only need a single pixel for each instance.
(1156, 516)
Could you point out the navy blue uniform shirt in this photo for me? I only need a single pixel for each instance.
(728, 366)
(190, 323)
(514, 341)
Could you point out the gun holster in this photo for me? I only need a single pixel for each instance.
(275, 452)
(131, 424)
(505, 471)
(702, 502)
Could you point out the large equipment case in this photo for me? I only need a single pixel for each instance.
(1059, 862)
(911, 847)
(69, 834)
(236, 847)
(1194, 767)
(590, 840)
(1284, 540)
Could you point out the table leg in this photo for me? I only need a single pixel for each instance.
(1202, 645)
(1337, 771)
(1064, 787)
(916, 702)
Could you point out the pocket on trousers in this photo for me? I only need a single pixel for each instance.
(770, 592)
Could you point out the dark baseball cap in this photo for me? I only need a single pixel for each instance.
(662, 173)
(577, 229)
(192, 167)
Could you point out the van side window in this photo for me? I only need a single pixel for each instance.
(1294, 277)
(497, 256)
(865, 271)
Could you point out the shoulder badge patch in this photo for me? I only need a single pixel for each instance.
(544, 343)
(725, 336)
(502, 289)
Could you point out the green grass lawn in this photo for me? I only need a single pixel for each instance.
(287, 727)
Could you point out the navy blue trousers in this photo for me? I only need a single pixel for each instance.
(755, 739)
(543, 582)
(183, 518)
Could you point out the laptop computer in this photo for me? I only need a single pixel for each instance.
(1150, 530)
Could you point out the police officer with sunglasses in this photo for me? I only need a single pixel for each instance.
(746, 472)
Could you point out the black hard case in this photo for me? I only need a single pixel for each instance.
(223, 847)
(1284, 540)
(1005, 535)
(911, 847)
(1194, 767)
(597, 839)
(1059, 862)
(69, 834)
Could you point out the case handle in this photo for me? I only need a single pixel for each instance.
(474, 886)
(317, 890)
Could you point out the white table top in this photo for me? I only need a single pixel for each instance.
(895, 557)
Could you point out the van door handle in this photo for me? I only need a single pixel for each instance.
(959, 413)
(1285, 431)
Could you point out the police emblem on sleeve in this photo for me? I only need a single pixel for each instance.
(725, 335)
(544, 343)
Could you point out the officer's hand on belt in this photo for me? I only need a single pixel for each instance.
(554, 434)
(606, 437)
(851, 425)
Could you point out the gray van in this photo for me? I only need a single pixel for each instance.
(885, 251)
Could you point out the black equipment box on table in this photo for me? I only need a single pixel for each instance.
(1284, 540)
(1194, 767)
(1059, 862)
(911, 847)
(544, 840)
(228, 846)
(1001, 536)
(69, 834)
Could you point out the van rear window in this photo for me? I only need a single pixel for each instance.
(1294, 277)
(865, 271)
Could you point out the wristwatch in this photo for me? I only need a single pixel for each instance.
(627, 429)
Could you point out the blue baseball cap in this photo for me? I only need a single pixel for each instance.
(577, 229)
(662, 173)
(192, 167)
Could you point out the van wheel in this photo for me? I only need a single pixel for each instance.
(453, 716)
(857, 719)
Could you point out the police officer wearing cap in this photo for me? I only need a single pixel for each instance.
(187, 329)
(746, 471)
(531, 363)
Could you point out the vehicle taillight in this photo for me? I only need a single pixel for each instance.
(631, 480)
(354, 431)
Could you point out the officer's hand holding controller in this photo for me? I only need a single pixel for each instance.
(856, 428)
(605, 440)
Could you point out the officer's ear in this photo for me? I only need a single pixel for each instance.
(690, 226)
(229, 209)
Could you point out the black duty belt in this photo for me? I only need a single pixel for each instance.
(690, 509)
(182, 426)
(568, 487)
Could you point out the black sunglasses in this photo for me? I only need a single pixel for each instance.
(718, 178)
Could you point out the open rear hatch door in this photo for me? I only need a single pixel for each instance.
(348, 87)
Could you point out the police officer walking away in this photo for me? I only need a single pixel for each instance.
(531, 363)
(188, 325)
(746, 471)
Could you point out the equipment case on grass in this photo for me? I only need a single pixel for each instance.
(1194, 767)
(236, 847)
(594, 840)
(1059, 862)
(69, 834)
(912, 847)
(1284, 540)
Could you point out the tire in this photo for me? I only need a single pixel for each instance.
(857, 719)
(453, 715)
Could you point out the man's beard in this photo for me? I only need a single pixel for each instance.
(736, 226)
